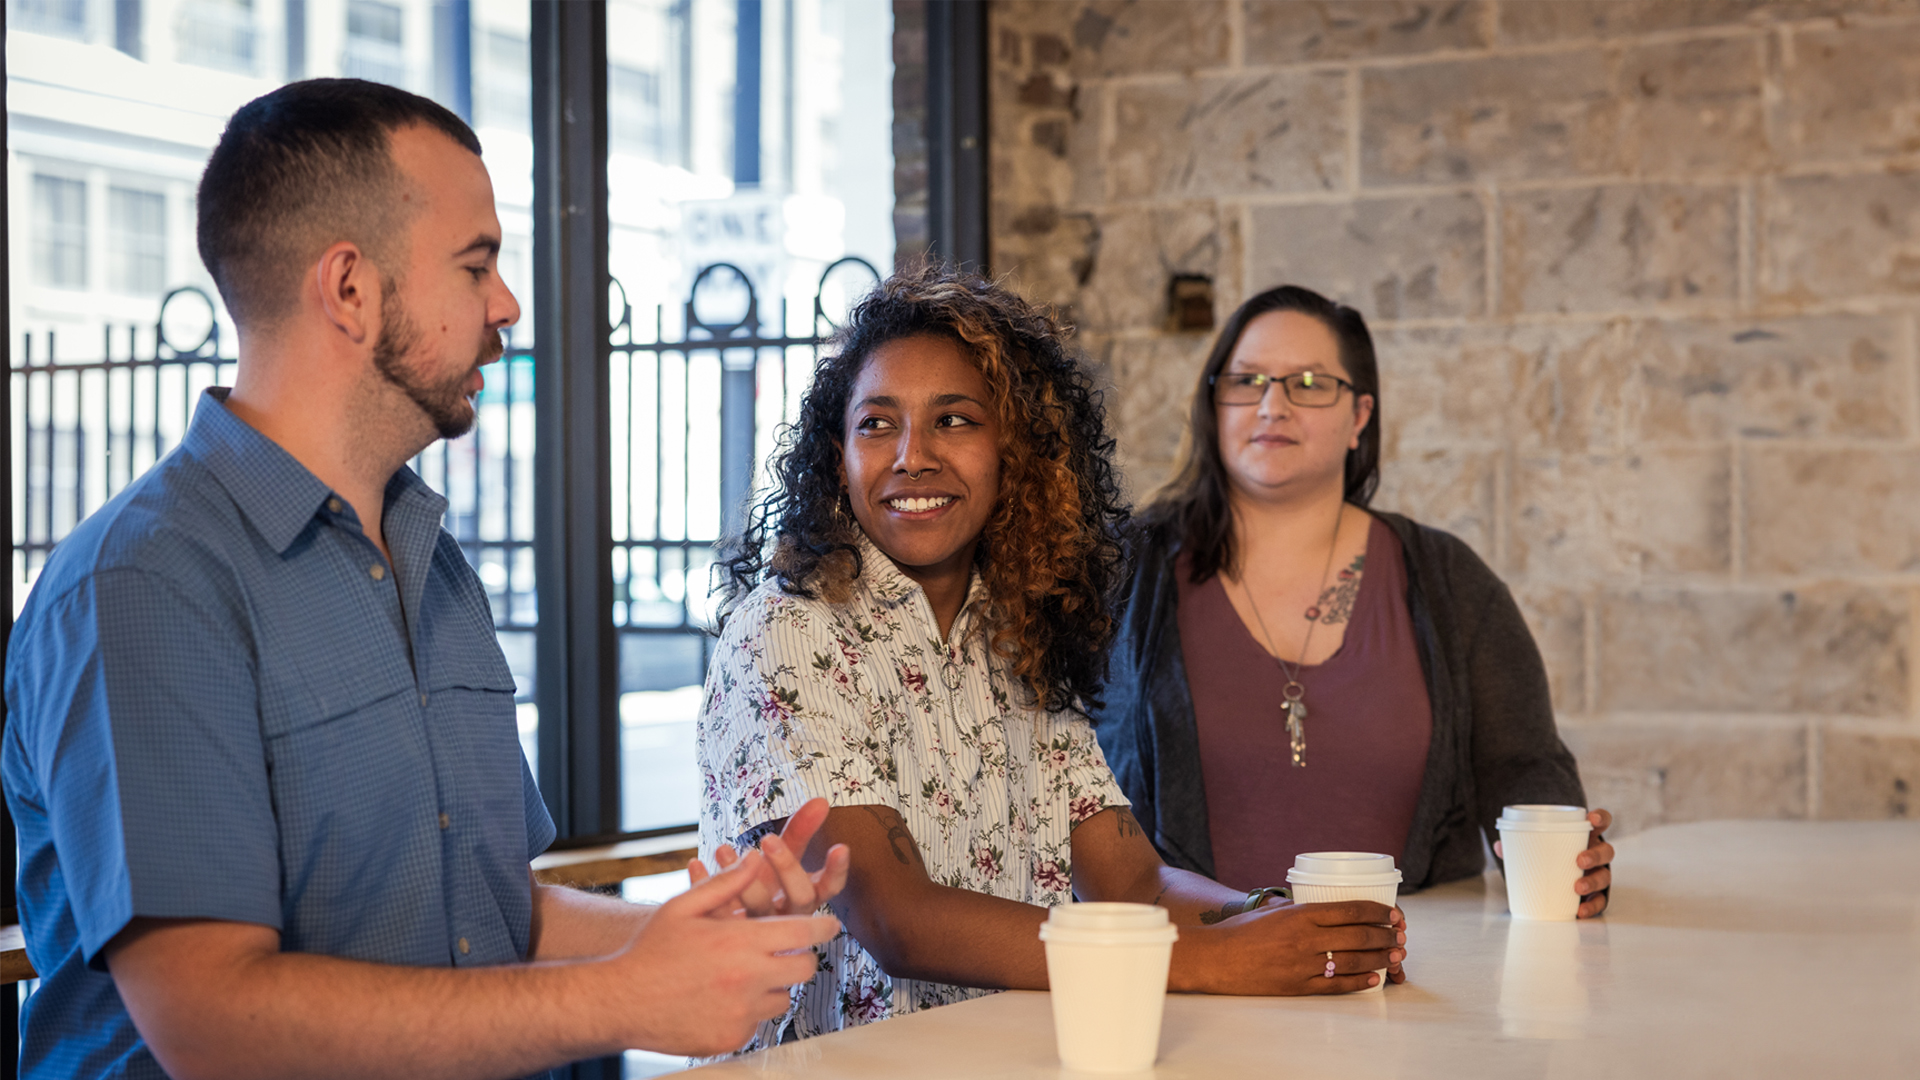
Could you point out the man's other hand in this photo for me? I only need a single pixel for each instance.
(783, 886)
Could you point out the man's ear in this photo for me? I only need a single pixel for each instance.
(349, 287)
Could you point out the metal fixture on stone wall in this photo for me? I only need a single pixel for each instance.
(1190, 303)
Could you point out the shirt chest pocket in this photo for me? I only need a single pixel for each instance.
(327, 683)
(480, 669)
(367, 665)
(324, 689)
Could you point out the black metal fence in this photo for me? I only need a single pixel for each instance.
(717, 383)
(84, 429)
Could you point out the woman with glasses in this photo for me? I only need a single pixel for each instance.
(1294, 672)
(911, 625)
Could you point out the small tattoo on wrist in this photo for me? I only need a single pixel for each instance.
(1226, 911)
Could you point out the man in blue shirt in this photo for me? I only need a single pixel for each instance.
(273, 816)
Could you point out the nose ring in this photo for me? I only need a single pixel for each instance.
(915, 475)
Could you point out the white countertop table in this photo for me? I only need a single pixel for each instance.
(1736, 949)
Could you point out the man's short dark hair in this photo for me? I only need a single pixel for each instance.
(299, 169)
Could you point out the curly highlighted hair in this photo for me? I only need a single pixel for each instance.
(1049, 557)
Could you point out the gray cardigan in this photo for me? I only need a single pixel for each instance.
(1493, 742)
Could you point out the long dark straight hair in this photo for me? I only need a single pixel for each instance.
(1194, 504)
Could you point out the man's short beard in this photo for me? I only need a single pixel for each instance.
(445, 404)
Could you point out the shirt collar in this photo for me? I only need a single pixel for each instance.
(278, 495)
(888, 585)
(413, 501)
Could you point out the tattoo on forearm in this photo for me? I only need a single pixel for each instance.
(899, 837)
(750, 839)
(1226, 911)
(1129, 825)
(1162, 896)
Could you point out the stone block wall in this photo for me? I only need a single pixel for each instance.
(1645, 278)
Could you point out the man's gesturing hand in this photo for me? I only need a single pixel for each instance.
(703, 983)
(782, 886)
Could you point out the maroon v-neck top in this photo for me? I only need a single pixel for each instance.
(1368, 726)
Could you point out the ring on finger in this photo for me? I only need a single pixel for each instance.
(1329, 964)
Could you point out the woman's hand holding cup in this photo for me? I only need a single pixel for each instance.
(1281, 949)
(1595, 863)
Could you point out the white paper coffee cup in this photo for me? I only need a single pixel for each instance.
(1328, 877)
(1539, 844)
(1107, 969)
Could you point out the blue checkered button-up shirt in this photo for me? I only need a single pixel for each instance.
(224, 704)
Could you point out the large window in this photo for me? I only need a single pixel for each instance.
(105, 150)
(751, 133)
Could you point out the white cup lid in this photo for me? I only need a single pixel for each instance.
(1343, 863)
(1342, 868)
(1106, 916)
(1544, 814)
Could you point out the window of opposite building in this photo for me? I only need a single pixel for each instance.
(635, 122)
(374, 42)
(60, 231)
(66, 18)
(218, 34)
(137, 241)
(505, 99)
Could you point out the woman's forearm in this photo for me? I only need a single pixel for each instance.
(1192, 900)
(954, 936)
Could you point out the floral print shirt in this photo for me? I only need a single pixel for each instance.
(864, 703)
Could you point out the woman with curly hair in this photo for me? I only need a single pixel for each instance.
(910, 626)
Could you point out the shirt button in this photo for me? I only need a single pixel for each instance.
(464, 947)
(423, 701)
(445, 821)
(377, 571)
(333, 505)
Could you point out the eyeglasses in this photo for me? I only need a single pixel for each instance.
(1306, 389)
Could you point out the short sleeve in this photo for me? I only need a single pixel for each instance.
(1075, 769)
(140, 727)
(540, 830)
(788, 716)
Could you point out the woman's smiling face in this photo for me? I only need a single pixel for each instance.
(921, 456)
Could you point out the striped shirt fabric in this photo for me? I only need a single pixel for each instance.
(864, 703)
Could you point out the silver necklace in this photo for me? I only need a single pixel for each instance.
(1295, 707)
